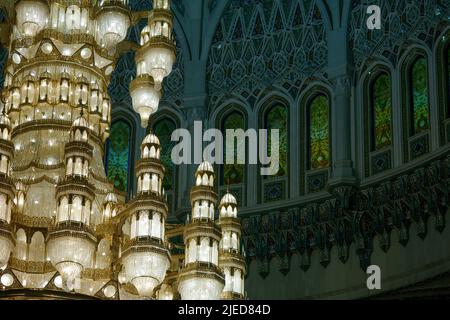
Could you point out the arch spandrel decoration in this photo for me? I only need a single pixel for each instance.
(262, 44)
(403, 20)
(120, 81)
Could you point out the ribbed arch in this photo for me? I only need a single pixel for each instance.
(256, 44)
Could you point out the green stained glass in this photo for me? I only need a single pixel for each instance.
(163, 130)
(382, 111)
(277, 118)
(119, 155)
(419, 83)
(319, 131)
(233, 173)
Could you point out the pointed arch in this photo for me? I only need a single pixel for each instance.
(273, 114)
(233, 113)
(378, 114)
(315, 137)
(416, 102)
(265, 56)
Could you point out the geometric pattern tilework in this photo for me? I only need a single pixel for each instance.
(402, 20)
(258, 44)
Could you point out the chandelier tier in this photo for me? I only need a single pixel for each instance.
(55, 122)
(154, 60)
(146, 257)
(6, 190)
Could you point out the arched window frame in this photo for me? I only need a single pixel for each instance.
(417, 144)
(376, 160)
(238, 190)
(313, 179)
(269, 184)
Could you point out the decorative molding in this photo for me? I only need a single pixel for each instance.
(352, 216)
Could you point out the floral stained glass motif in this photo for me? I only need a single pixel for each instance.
(319, 131)
(163, 130)
(233, 173)
(420, 103)
(119, 155)
(382, 111)
(277, 118)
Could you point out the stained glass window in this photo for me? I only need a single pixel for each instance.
(163, 130)
(319, 133)
(233, 173)
(118, 161)
(419, 91)
(448, 81)
(277, 118)
(382, 111)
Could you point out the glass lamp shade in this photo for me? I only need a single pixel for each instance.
(146, 270)
(159, 60)
(70, 256)
(32, 16)
(145, 97)
(112, 27)
(161, 4)
(6, 247)
(165, 293)
(200, 288)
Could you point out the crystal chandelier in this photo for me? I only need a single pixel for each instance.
(146, 257)
(71, 242)
(201, 278)
(55, 122)
(154, 60)
(6, 190)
